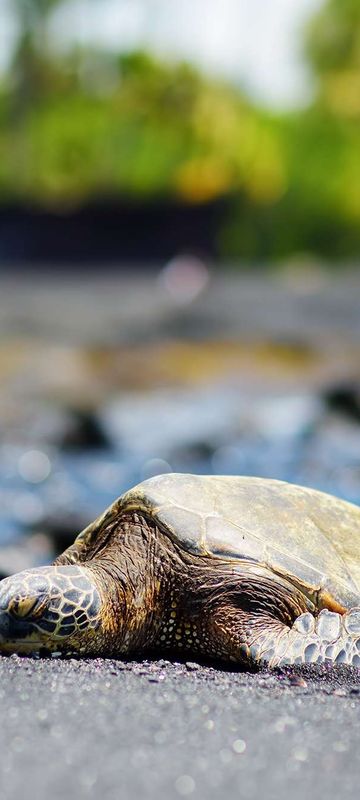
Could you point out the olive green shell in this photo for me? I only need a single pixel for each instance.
(304, 534)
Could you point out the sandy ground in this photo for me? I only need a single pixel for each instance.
(104, 729)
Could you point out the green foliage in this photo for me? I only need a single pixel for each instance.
(333, 40)
(162, 130)
(95, 124)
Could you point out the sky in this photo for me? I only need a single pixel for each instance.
(256, 43)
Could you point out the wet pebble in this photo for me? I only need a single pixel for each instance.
(297, 680)
(157, 678)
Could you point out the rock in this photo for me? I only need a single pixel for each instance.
(32, 551)
(62, 530)
(344, 399)
(84, 432)
(186, 457)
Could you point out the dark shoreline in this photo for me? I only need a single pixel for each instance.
(109, 231)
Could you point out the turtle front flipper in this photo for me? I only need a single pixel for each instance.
(262, 639)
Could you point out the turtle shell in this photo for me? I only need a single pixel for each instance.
(301, 533)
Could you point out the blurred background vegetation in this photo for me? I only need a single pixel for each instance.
(86, 123)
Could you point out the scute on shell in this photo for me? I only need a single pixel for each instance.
(295, 531)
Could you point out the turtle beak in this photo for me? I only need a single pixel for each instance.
(12, 630)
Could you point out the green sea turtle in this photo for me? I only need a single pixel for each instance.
(236, 568)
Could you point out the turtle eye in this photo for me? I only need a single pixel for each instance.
(21, 607)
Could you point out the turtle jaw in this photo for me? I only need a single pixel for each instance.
(18, 636)
(27, 643)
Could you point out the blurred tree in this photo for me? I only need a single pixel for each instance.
(31, 60)
(146, 129)
(333, 50)
(94, 123)
(320, 148)
(333, 35)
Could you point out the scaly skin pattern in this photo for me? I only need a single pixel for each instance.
(48, 607)
(312, 638)
(328, 637)
(134, 590)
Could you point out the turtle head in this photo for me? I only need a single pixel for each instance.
(50, 608)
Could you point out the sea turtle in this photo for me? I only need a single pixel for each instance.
(236, 568)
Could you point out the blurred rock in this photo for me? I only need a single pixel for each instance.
(61, 531)
(188, 457)
(27, 552)
(83, 432)
(344, 399)
(156, 423)
(286, 416)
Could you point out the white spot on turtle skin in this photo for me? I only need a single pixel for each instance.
(310, 653)
(328, 625)
(330, 652)
(352, 622)
(304, 624)
(341, 658)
